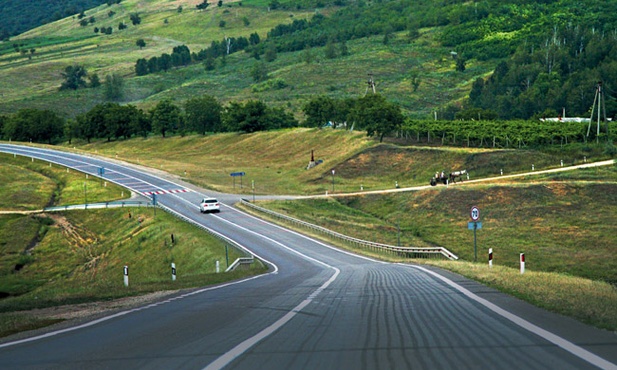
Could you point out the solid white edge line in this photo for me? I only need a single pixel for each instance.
(553, 338)
(103, 319)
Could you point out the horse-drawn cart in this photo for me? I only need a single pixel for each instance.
(441, 177)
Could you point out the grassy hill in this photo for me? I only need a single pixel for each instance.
(35, 77)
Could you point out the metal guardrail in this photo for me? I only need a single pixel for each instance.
(242, 261)
(427, 251)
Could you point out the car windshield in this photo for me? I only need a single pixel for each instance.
(210, 201)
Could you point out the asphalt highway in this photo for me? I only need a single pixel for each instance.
(317, 308)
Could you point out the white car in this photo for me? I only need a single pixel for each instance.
(209, 205)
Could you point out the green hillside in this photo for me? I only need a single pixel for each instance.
(424, 56)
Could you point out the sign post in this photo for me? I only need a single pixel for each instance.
(475, 225)
(236, 174)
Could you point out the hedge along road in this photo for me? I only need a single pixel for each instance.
(318, 307)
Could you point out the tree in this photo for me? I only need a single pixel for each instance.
(114, 87)
(135, 19)
(203, 5)
(330, 51)
(319, 111)
(254, 38)
(141, 67)
(153, 65)
(460, 64)
(209, 64)
(94, 81)
(165, 117)
(203, 114)
(73, 77)
(377, 116)
(248, 117)
(270, 54)
(259, 72)
(164, 62)
(41, 126)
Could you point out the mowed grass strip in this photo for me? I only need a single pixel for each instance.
(82, 255)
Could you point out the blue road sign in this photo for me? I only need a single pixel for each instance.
(234, 174)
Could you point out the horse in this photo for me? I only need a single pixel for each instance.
(456, 174)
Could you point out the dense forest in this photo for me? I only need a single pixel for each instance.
(17, 16)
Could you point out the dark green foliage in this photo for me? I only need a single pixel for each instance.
(377, 116)
(166, 117)
(319, 111)
(41, 126)
(203, 5)
(109, 120)
(94, 81)
(203, 114)
(73, 77)
(18, 16)
(135, 19)
(270, 54)
(259, 72)
(254, 116)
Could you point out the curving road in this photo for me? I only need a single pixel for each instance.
(317, 308)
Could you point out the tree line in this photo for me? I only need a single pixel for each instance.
(201, 115)
(371, 113)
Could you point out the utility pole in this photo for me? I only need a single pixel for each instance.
(601, 111)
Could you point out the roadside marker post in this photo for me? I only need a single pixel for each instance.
(218, 267)
(522, 259)
(490, 257)
(126, 275)
(173, 271)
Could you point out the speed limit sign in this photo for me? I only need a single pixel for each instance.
(475, 213)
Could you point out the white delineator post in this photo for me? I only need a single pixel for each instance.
(490, 257)
(126, 276)
(173, 271)
(218, 268)
(522, 259)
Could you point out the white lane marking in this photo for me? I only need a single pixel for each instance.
(545, 334)
(244, 346)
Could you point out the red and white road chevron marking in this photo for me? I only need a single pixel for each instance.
(159, 192)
